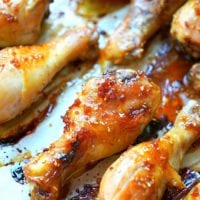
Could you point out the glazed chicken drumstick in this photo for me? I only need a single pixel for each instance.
(20, 21)
(109, 113)
(144, 171)
(26, 70)
(143, 20)
(186, 25)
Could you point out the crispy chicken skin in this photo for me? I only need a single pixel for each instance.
(109, 113)
(26, 70)
(143, 20)
(20, 21)
(186, 25)
(144, 171)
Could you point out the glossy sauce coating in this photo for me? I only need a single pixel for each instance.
(94, 130)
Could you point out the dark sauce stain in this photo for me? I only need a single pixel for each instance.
(190, 178)
(169, 69)
(17, 173)
(89, 192)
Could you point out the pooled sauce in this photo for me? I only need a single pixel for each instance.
(176, 92)
(174, 86)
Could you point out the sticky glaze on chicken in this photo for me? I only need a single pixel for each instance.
(143, 20)
(186, 25)
(109, 113)
(144, 171)
(20, 21)
(26, 70)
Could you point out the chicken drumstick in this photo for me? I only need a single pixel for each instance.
(109, 113)
(26, 70)
(144, 171)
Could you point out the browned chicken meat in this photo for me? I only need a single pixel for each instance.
(20, 21)
(186, 27)
(144, 171)
(143, 20)
(26, 70)
(109, 113)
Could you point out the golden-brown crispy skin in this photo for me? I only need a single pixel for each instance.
(143, 20)
(194, 194)
(26, 70)
(109, 113)
(144, 171)
(20, 21)
(186, 25)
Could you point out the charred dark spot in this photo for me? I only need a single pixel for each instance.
(76, 145)
(88, 192)
(66, 158)
(17, 173)
(157, 127)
